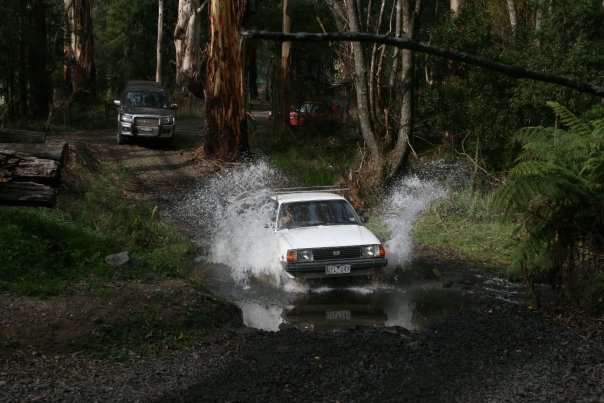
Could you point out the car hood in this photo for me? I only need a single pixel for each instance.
(148, 111)
(328, 236)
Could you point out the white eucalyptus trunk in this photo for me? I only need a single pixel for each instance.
(187, 41)
(361, 85)
(160, 24)
(512, 12)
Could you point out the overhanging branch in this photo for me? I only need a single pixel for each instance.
(406, 43)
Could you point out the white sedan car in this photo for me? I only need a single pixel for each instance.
(321, 235)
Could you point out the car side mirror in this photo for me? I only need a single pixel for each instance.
(174, 106)
(117, 102)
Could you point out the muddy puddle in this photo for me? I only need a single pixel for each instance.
(411, 299)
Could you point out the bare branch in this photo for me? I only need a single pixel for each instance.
(406, 43)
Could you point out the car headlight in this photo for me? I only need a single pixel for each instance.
(127, 118)
(302, 255)
(373, 251)
(167, 120)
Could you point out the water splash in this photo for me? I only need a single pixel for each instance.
(400, 209)
(232, 212)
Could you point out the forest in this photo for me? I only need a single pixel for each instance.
(62, 62)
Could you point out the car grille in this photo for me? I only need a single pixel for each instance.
(348, 252)
(147, 122)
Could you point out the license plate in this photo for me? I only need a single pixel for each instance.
(337, 269)
(145, 129)
(338, 315)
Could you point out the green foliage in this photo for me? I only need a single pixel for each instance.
(43, 251)
(556, 194)
(483, 107)
(41, 248)
(464, 223)
(125, 41)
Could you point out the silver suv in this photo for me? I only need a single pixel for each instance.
(143, 111)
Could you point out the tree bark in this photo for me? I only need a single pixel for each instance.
(187, 41)
(55, 151)
(80, 70)
(361, 86)
(284, 92)
(251, 53)
(21, 136)
(455, 6)
(27, 194)
(225, 105)
(512, 13)
(20, 167)
(398, 156)
(160, 24)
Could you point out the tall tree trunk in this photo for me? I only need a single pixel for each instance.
(283, 92)
(187, 38)
(80, 71)
(361, 85)
(512, 12)
(160, 25)
(455, 6)
(251, 53)
(398, 156)
(386, 157)
(224, 93)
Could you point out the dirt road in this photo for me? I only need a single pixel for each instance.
(498, 352)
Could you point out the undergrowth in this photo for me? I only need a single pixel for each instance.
(464, 222)
(44, 251)
(310, 156)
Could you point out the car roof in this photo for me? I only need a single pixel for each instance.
(305, 196)
(140, 84)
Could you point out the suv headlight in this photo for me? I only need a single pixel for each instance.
(127, 118)
(167, 120)
(373, 251)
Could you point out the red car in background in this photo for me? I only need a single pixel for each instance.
(314, 113)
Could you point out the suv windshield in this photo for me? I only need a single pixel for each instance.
(320, 212)
(146, 99)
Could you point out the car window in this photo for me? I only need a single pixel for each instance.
(147, 99)
(313, 213)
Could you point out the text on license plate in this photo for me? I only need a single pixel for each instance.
(337, 269)
(338, 315)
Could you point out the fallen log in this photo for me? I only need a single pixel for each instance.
(52, 151)
(21, 167)
(21, 136)
(27, 194)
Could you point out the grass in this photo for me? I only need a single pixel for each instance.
(465, 223)
(44, 251)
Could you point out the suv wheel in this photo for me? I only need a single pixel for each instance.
(120, 139)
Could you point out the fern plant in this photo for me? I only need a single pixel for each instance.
(555, 193)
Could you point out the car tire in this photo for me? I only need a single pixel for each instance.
(120, 139)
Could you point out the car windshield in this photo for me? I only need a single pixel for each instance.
(314, 213)
(146, 99)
